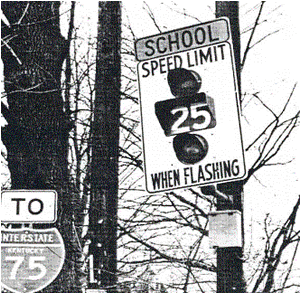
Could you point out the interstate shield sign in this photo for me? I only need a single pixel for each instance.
(30, 258)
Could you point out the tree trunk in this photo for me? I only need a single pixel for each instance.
(36, 136)
(105, 147)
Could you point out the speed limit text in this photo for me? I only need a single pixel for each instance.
(192, 58)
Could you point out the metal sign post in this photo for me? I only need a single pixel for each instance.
(190, 107)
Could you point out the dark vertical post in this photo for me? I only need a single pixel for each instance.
(230, 9)
(105, 148)
(229, 260)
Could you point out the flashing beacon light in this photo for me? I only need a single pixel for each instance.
(190, 148)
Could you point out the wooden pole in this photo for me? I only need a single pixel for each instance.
(230, 276)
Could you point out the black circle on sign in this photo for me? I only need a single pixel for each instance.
(184, 82)
(190, 148)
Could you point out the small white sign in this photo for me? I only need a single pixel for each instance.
(28, 206)
(225, 229)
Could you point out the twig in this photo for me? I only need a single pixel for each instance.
(185, 201)
(274, 250)
(24, 13)
(252, 34)
(269, 34)
(268, 108)
(11, 51)
(275, 120)
(197, 264)
(290, 267)
(150, 13)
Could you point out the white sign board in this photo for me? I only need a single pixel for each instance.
(225, 229)
(28, 206)
(190, 107)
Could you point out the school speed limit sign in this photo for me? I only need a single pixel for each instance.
(30, 258)
(190, 107)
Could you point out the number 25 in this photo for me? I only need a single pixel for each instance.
(195, 112)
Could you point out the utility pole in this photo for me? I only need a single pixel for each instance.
(105, 150)
(229, 259)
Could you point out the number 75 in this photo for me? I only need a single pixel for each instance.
(33, 263)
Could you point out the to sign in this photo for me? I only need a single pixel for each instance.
(30, 259)
(190, 107)
(27, 206)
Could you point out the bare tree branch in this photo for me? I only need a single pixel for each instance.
(151, 15)
(274, 250)
(197, 264)
(185, 201)
(290, 267)
(24, 13)
(252, 34)
(275, 133)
